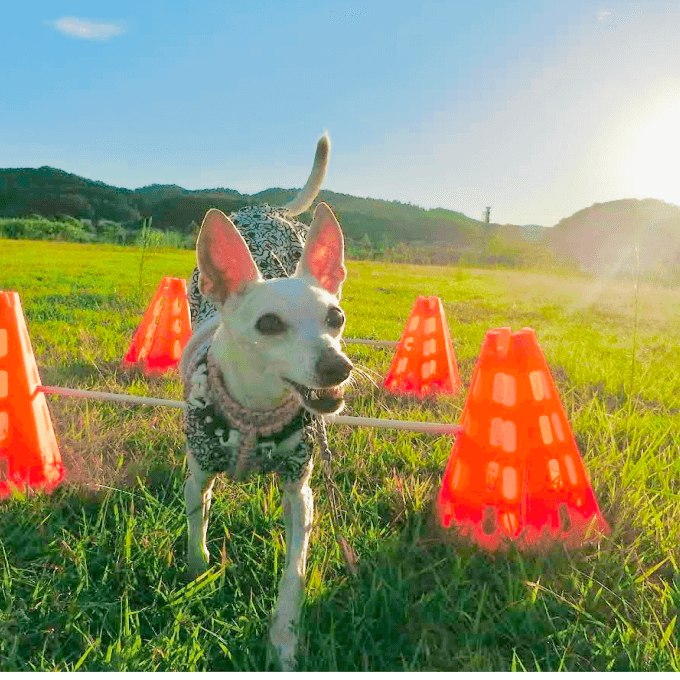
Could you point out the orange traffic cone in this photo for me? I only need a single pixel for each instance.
(424, 362)
(27, 441)
(515, 474)
(164, 331)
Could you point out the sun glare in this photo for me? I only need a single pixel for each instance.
(655, 161)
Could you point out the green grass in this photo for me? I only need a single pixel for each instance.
(93, 577)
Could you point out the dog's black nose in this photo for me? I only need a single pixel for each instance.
(332, 368)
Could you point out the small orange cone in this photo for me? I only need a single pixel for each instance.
(516, 474)
(164, 331)
(424, 362)
(27, 441)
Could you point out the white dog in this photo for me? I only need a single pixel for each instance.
(263, 364)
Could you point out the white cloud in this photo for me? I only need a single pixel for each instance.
(602, 16)
(87, 30)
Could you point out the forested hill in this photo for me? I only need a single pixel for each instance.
(604, 237)
(51, 193)
(600, 238)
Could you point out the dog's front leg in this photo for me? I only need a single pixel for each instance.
(298, 508)
(197, 495)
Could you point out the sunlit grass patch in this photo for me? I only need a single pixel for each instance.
(93, 577)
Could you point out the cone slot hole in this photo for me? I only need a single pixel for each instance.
(492, 475)
(4, 469)
(504, 389)
(557, 427)
(429, 347)
(509, 483)
(536, 380)
(504, 434)
(509, 437)
(489, 520)
(546, 432)
(510, 523)
(571, 470)
(459, 476)
(502, 336)
(414, 323)
(555, 475)
(428, 369)
(4, 384)
(158, 308)
(565, 520)
(430, 326)
(3, 342)
(177, 350)
(4, 427)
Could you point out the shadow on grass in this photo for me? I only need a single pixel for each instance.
(425, 603)
(97, 581)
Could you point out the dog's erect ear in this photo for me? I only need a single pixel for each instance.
(323, 257)
(224, 261)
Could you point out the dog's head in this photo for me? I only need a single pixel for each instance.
(286, 329)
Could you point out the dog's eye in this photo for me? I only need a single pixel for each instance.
(335, 318)
(270, 324)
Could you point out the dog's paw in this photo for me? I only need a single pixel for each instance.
(286, 659)
(197, 564)
(284, 643)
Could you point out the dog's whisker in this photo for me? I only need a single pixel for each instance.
(365, 370)
(361, 371)
(370, 370)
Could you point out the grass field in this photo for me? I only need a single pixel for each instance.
(93, 577)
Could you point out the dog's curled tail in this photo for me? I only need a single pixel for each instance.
(308, 192)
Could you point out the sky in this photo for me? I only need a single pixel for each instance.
(534, 109)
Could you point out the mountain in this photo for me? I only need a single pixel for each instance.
(599, 238)
(533, 232)
(160, 191)
(603, 237)
(52, 193)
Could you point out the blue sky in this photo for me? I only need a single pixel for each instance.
(535, 109)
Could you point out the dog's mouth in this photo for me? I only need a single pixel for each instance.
(321, 400)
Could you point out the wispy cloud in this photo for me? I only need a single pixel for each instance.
(602, 16)
(87, 30)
